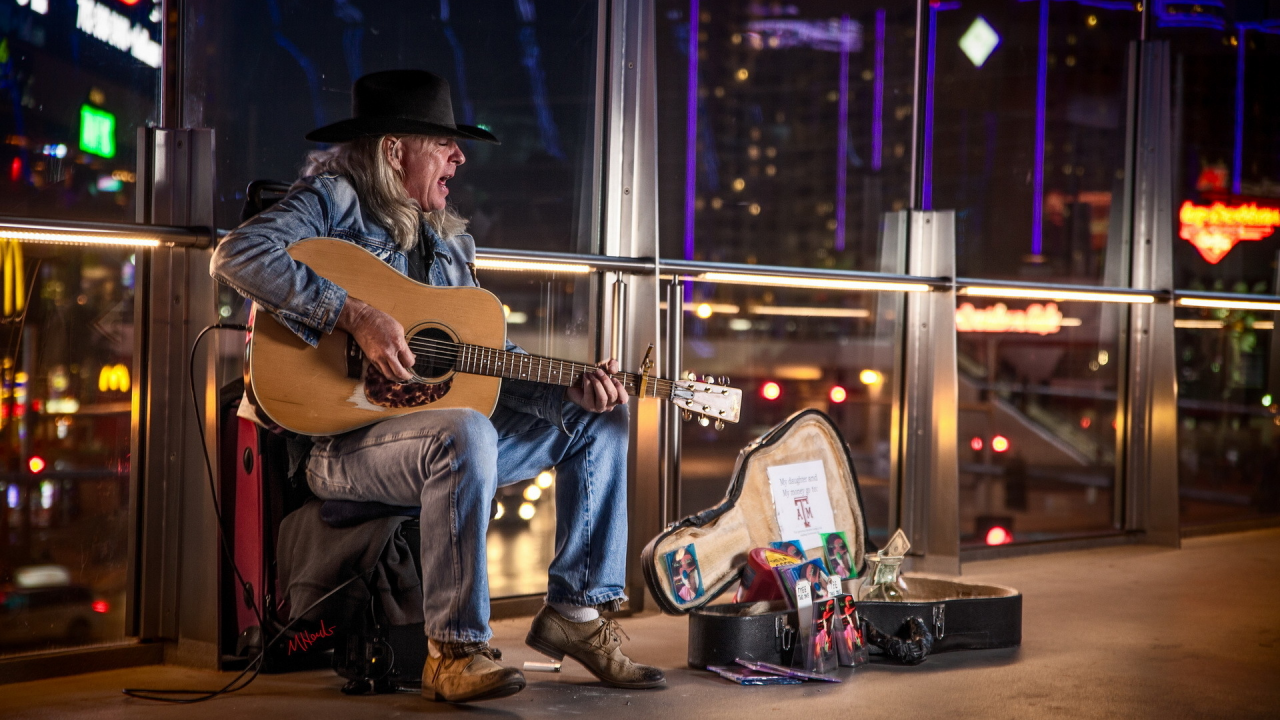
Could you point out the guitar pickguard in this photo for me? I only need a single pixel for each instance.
(381, 391)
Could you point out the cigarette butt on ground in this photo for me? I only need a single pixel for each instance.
(547, 667)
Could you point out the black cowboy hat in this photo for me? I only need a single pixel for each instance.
(409, 102)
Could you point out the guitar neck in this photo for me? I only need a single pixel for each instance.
(480, 360)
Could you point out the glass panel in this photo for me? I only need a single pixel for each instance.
(66, 369)
(1228, 421)
(789, 350)
(1038, 404)
(73, 101)
(1026, 139)
(264, 74)
(795, 136)
(551, 316)
(1225, 133)
(1226, 119)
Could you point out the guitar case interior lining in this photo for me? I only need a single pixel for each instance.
(960, 615)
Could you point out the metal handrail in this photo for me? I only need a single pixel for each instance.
(178, 236)
(964, 282)
(172, 236)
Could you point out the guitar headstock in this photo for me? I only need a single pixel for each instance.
(710, 399)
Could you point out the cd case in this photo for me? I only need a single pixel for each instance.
(747, 676)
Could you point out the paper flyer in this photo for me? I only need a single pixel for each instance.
(800, 501)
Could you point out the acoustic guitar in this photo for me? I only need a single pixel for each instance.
(457, 335)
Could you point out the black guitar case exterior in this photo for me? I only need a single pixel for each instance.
(960, 616)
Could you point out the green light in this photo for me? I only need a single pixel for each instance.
(1266, 400)
(97, 131)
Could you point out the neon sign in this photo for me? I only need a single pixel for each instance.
(97, 132)
(1214, 230)
(117, 31)
(1037, 319)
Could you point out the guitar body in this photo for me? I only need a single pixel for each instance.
(322, 391)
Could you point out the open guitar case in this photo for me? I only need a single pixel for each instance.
(956, 615)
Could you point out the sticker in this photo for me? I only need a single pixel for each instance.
(686, 578)
(803, 597)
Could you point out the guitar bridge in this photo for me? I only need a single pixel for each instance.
(355, 359)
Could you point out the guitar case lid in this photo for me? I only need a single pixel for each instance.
(714, 543)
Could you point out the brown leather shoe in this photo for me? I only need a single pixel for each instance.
(467, 672)
(596, 645)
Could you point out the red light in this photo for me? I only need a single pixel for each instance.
(976, 444)
(100, 606)
(129, 2)
(999, 443)
(1085, 422)
(770, 390)
(36, 464)
(999, 536)
(15, 170)
(839, 394)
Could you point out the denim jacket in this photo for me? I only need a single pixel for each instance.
(252, 259)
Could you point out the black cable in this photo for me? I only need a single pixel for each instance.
(255, 665)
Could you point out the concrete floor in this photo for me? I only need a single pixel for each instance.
(1121, 632)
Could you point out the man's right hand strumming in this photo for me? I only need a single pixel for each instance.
(380, 336)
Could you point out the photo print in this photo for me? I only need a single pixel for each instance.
(686, 578)
(835, 548)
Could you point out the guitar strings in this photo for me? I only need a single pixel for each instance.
(448, 350)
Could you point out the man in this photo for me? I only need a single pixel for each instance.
(384, 185)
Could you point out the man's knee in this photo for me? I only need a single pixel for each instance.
(613, 425)
(472, 436)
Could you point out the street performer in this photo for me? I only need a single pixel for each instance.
(383, 185)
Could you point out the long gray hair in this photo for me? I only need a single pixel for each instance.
(381, 190)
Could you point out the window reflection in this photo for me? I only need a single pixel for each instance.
(1028, 145)
(264, 74)
(1228, 421)
(548, 315)
(1226, 118)
(73, 101)
(788, 350)
(1038, 404)
(787, 134)
(66, 367)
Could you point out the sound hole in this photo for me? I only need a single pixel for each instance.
(435, 353)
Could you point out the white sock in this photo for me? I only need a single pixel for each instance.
(575, 613)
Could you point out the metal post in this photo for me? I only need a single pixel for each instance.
(928, 507)
(671, 423)
(1151, 416)
(176, 579)
(630, 230)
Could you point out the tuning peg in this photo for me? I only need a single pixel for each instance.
(708, 380)
(686, 415)
(724, 380)
(703, 420)
(719, 424)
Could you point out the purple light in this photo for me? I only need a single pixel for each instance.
(877, 107)
(11, 496)
(1042, 81)
(926, 170)
(691, 134)
(1239, 149)
(842, 142)
(816, 34)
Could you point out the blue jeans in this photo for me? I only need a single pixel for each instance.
(451, 462)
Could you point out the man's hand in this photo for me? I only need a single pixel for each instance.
(598, 392)
(380, 336)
